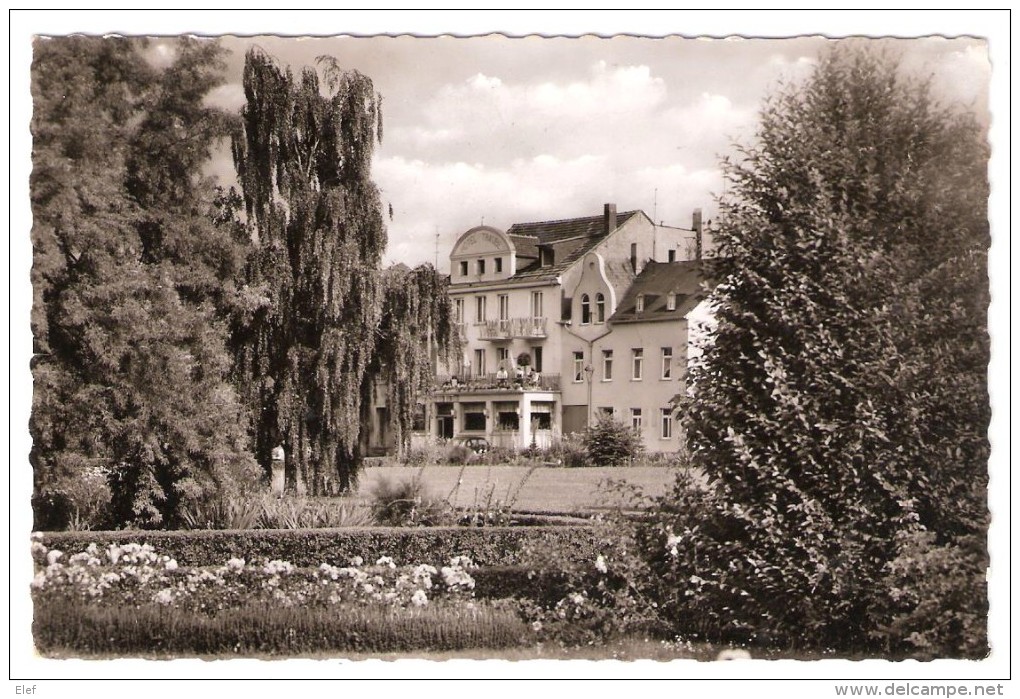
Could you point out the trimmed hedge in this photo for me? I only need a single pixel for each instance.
(487, 546)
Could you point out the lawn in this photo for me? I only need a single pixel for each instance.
(542, 489)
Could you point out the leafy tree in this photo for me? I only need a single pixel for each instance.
(609, 442)
(313, 294)
(416, 328)
(132, 415)
(841, 403)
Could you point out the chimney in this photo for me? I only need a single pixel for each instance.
(696, 225)
(609, 217)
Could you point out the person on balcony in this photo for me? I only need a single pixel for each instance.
(502, 377)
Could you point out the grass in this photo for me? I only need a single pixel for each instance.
(67, 628)
(567, 490)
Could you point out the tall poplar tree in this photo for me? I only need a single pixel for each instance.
(303, 155)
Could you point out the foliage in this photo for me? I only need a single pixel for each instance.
(609, 442)
(931, 609)
(406, 503)
(416, 327)
(131, 276)
(304, 345)
(841, 401)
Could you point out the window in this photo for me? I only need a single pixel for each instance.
(537, 363)
(667, 423)
(638, 363)
(499, 264)
(536, 304)
(607, 365)
(479, 309)
(463, 268)
(504, 306)
(502, 354)
(635, 419)
(547, 256)
(671, 257)
(578, 367)
(474, 417)
(639, 306)
(600, 308)
(585, 309)
(633, 257)
(481, 266)
(458, 310)
(667, 362)
(671, 301)
(479, 362)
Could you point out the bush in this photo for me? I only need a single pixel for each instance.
(609, 442)
(569, 451)
(406, 503)
(933, 602)
(458, 455)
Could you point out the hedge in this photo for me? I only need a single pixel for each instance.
(486, 546)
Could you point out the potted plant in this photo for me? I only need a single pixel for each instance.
(524, 361)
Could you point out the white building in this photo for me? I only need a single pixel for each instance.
(560, 319)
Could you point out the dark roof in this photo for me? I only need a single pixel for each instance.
(570, 239)
(688, 280)
(545, 232)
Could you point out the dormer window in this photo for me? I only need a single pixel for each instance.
(463, 268)
(499, 264)
(481, 267)
(639, 306)
(546, 256)
(671, 301)
(600, 308)
(585, 309)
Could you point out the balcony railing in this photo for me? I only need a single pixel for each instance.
(493, 382)
(510, 328)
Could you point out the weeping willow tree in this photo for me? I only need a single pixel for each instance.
(417, 328)
(303, 153)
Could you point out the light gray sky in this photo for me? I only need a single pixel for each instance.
(510, 130)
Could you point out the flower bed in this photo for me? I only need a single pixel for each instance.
(487, 546)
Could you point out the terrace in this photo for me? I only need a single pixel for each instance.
(487, 383)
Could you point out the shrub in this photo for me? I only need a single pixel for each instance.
(934, 601)
(609, 442)
(569, 451)
(458, 455)
(406, 503)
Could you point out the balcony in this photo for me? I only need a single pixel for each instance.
(489, 383)
(511, 328)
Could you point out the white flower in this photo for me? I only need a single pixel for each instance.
(577, 598)
(114, 553)
(673, 552)
(53, 556)
(38, 548)
(462, 562)
(386, 561)
(163, 597)
(357, 561)
(39, 580)
(170, 564)
(236, 564)
(419, 598)
(672, 540)
(536, 625)
(600, 564)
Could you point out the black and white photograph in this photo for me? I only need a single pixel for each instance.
(489, 351)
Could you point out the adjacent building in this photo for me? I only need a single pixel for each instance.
(562, 320)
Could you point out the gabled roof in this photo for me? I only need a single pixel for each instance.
(687, 280)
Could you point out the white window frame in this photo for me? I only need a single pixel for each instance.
(578, 367)
(607, 365)
(504, 306)
(665, 423)
(639, 305)
(637, 363)
(585, 309)
(600, 308)
(458, 310)
(671, 301)
(667, 364)
(636, 420)
(536, 304)
(479, 362)
(479, 310)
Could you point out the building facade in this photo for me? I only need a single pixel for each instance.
(561, 320)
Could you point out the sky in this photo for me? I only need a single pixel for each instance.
(515, 130)
(500, 130)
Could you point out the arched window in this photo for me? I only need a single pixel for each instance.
(600, 308)
(585, 309)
